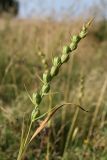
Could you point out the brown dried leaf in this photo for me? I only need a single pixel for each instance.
(52, 112)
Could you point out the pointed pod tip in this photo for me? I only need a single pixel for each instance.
(89, 22)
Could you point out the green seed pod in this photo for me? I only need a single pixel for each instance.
(64, 58)
(73, 46)
(54, 71)
(83, 34)
(45, 88)
(84, 28)
(57, 61)
(75, 39)
(36, 98)
(66, 50)
(35, 113)
(46, 77)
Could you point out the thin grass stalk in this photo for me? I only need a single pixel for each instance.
(67, 89)
(98, 105)
(49, 125)
(73, 121)
(24, 143)
(45, 65)
(66, 97)
(21, 142)
(103, 118)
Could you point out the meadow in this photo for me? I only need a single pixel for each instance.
(71, 134)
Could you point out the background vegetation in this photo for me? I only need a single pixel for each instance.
(83, 80)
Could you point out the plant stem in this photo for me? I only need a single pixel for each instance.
(23, 147)
(49, 125)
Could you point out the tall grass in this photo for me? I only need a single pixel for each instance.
(47, 77)
(18, 69)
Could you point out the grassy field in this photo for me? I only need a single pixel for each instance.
(83, 80)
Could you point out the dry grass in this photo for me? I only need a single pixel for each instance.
(20, 40)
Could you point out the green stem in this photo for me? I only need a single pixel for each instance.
(28, 134)
(23, 147)
(49, 125)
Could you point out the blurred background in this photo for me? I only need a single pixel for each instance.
(28, 27)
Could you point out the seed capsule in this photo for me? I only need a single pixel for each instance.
(54, 71)
(73, 46)
(36, 98)
(75, 39)
(57, 61)
(64, 58)
(83, 34)
(45, 88)
(66, 50)
(34, 114)
(46, 77)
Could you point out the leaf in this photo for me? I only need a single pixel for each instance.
(52, 112)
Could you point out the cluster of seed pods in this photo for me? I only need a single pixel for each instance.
(57, 62)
